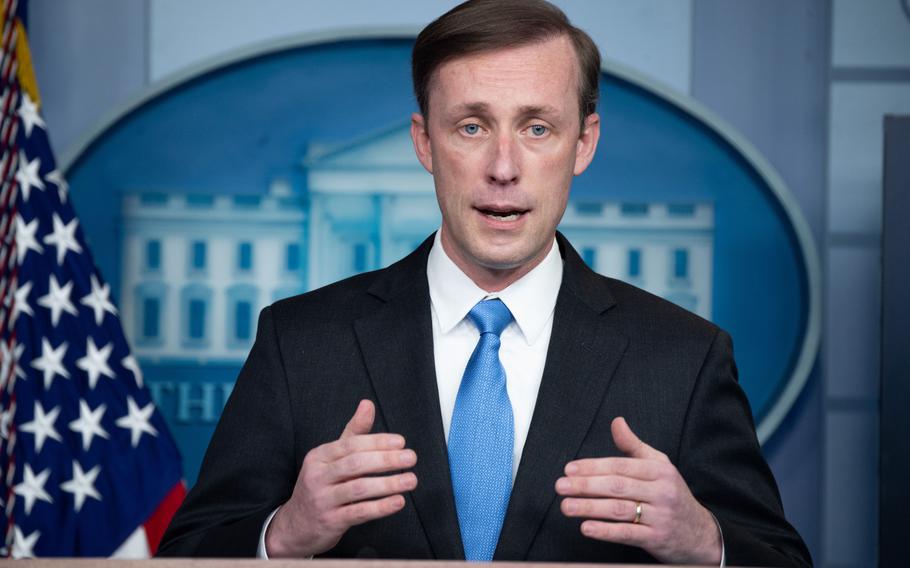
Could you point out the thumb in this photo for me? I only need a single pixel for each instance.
(630, 444)
(362, 421)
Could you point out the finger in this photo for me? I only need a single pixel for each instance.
(620, 533)
(626, 467)
(338, 449)
(364, 488)
(359, 464)
(359, 513)
(629, 444)
(621, 510)
(614, 486)
(362, 421)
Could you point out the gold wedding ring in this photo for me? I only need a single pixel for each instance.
(637, 518)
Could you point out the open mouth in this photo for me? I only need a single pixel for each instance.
(504, 215)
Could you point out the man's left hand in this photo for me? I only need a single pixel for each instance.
(670, 525)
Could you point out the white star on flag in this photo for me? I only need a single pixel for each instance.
(51, 362)
(32, 488)
(130, 364)
(20, 305)
(23, 545)
(17, 353)
(27, 175)
(5, 418)
(58, 300)
(25, 238)
(137, 420)
(28, 111)
(56, 178)
(82, 484)
(63, 237)
(42, 425)
(89, 423)
(95, 362)
(99, 300)
(7, 359)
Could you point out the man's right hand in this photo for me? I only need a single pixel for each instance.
(337, 488)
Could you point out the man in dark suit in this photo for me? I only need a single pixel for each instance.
(499, 375)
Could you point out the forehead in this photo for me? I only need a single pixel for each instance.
(533, 75)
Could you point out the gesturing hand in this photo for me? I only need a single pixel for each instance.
(337, 488)
(670, 524)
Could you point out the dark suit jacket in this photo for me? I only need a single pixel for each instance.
(615, 351)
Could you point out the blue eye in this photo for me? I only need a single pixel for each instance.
(471, 129)
(539, 130)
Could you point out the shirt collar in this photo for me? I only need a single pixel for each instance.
(531, 298)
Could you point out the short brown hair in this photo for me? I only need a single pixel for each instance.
(477, 26)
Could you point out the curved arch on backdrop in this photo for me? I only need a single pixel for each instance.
(811, 336)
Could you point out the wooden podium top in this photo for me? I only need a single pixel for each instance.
(257, 563)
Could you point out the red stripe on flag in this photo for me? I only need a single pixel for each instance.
(161, 518)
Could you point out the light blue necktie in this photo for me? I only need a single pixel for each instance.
(481, 437)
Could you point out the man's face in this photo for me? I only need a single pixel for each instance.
(502, 142)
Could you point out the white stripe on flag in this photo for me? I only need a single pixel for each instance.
(136, 546)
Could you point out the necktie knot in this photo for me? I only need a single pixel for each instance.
(490, 316)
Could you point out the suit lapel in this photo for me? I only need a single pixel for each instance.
(585, 349)
(397, 345)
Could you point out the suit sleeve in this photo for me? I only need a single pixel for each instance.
(249, 468)
(721, 460)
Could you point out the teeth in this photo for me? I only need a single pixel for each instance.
(503, 217)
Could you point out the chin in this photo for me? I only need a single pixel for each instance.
(503, 260)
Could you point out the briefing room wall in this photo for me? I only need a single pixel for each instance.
(652, 36)
(869, 78)
(762, 66)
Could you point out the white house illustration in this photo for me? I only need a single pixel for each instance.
(371, 203)
(197, 268)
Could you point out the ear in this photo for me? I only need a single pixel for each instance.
(421, 138)
(587, 143)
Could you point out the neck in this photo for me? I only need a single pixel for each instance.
(489, 279)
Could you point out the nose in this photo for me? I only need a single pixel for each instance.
(503, 168)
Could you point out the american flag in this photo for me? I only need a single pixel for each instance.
(87, 466)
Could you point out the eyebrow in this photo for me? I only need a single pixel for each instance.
(483, 108)
(469, 108)
(538, 110)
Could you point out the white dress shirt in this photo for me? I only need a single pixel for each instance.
(523, 343)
